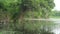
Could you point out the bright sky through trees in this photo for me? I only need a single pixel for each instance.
(57, 4)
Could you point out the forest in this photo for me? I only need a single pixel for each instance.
(16, 16)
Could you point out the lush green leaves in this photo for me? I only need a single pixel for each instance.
(16, 10)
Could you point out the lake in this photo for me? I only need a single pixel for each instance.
(57, 21)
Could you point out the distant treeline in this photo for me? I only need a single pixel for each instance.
(55, 14)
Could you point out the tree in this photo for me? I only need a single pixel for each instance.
(17, 10)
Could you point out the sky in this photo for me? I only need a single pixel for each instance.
(57, 5)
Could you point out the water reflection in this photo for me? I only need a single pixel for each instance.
(56, 31)
(38, 27)
(57, 28)
(56, 20)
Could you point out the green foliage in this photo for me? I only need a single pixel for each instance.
(16, 10)
(39, 8)
(55, 14)
(43, 8)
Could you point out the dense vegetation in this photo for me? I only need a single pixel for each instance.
(55, 14)
(13, 14)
